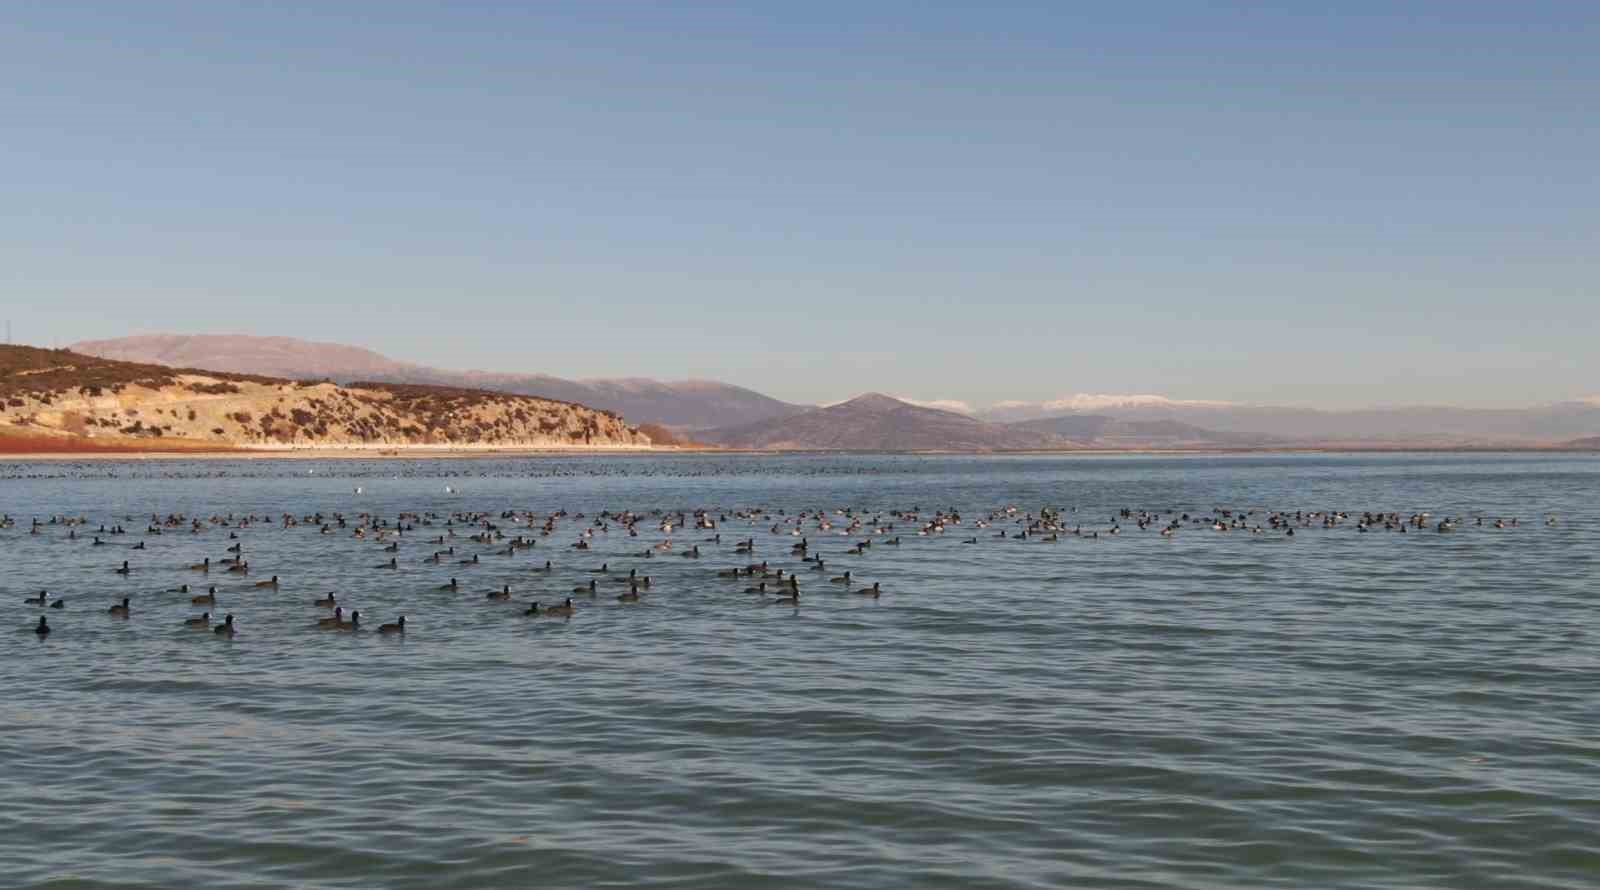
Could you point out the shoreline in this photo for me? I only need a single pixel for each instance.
(386, 453)
(460, 452)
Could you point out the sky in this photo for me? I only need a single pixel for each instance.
(1329, 205)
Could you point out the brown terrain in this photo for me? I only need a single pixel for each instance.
(58, 401)
(679, 405)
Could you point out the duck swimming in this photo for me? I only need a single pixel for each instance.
(564, 610)
(42, 628)
(326, 602)
(203, 621)
(207, 598)
(122, 610)
(37, 600)
(273, 584)
(589, 589)
(398, 627)
(225, 628)
(333, 620)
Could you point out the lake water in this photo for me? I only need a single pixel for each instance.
(1206, 710)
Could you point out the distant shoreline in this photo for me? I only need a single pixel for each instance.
(75, 451)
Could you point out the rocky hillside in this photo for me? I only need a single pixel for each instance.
(681, 405)
(63, 395)
(875, 422)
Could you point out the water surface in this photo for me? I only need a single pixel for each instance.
(1213, 710)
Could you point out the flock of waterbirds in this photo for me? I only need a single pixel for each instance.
(463, 540)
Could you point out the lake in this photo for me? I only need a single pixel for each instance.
(1206, 709)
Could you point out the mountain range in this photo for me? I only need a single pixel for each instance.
(876, 422)
(1546, 424)
(56, 400)
(734, 416)
(679, 405)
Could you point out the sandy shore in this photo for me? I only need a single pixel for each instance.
(318, 453)
(15, 447)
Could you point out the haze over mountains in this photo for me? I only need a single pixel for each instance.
(734, 416)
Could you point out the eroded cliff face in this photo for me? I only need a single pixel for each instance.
(60, 393)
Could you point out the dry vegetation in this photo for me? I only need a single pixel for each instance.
(67, 395)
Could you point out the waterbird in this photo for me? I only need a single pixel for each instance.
(120, 610)
(203, 621)
(225, 628)
(398, 627)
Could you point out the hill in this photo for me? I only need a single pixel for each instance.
(1101, 431)
(680, 405)
(875, 422)
(63, 398)
(1420, 425)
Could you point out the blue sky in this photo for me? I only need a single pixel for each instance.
(1332, 205)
